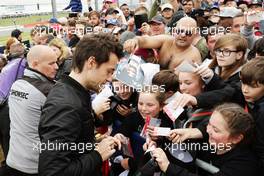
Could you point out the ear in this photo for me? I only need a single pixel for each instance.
(34, 64)
(90, 63)
(236, 139)
(240, 55)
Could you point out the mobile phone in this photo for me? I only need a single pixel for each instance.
(261, 27)
(140, 19)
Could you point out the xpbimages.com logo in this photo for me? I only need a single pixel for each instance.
(146, 88)
(213, 148)
(63, 146)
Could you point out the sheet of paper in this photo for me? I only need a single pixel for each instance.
(130, 72)
(168, 100)
(207, 62)
(162, 131)
(185, 66)
(173, 113)
(149, 70)
(102, 96)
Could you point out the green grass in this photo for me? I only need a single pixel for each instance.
(28, 19)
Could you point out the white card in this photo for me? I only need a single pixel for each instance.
(207, 62)
(162, 131)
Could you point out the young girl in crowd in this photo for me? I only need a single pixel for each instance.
(150, 104)
(230, 53)
(63, 54)
(222, 84)
(230, 131)
(253, 90)
(192, 84)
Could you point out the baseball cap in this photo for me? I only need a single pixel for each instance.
(225, 1)
(166, 6)
(229, 12)
(242, 2)
(112, 1)
(53, 20)
(157, 19)
(112, 22)
(110, 11)
(215, 7)
(15, 33)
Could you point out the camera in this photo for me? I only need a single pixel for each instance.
(116, 100)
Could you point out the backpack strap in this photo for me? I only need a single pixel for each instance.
(19, 64)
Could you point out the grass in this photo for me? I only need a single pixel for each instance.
(28, 19)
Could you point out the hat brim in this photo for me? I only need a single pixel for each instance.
(214, 8)
(155, 21)
(110, 24)
(166, 8)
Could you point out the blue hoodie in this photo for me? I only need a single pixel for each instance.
(75, 5)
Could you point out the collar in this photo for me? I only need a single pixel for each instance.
(259, 102)
(32, 73)
(76, 85)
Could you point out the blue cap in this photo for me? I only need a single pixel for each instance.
(53, 20)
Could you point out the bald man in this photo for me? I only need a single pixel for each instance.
(27, 96)
(172, 50)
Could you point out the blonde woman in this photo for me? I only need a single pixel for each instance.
(63, 56)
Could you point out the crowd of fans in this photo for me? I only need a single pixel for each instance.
(49, 86)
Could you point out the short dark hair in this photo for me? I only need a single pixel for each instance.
(167, 78)
(186, 1)
(260, 46)
(123, 5)
(97, 45)
(253, 71)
